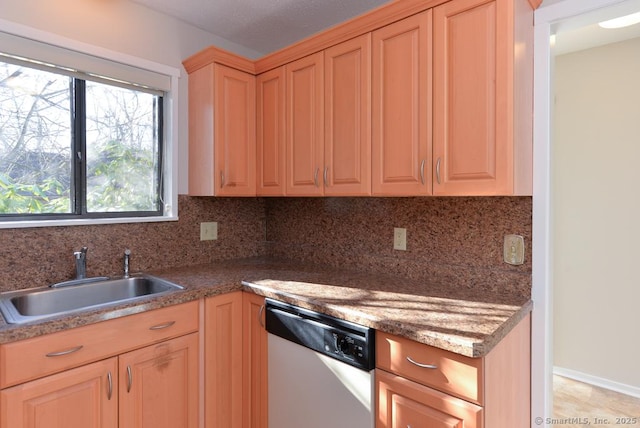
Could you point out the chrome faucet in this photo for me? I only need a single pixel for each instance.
(81, 263)
(127, 257)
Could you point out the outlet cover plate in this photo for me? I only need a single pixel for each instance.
(208, 231)
(400, 238)
(513, 249)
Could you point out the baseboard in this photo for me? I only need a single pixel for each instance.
(622, 388)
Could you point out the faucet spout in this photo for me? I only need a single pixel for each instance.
(81, 263)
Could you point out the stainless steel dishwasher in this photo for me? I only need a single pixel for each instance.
(320, 370)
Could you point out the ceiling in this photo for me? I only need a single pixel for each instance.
(582, 32)
(263, 26)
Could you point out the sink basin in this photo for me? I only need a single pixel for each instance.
(44, 302)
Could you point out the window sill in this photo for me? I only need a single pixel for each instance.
(83, 222)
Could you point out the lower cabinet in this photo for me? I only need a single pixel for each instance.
(404, 403)
(158, 385)
(254, 354)
(85, 397)
(146, 374)
(420, 386)
(235, 361)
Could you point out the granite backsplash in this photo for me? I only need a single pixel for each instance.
(43, 255)
(449, 240)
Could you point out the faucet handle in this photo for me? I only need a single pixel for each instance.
(82, 254)
(127, 256)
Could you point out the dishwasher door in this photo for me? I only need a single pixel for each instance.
(310, 390)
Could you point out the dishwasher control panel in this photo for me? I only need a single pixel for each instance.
(345, 341)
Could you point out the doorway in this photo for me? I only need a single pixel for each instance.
(583, 208)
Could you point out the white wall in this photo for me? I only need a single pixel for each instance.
(596, 212)
(124, 26)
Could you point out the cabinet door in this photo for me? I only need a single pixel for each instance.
(223, 361)
(235, 131)
(403, 403)
(347, 142)
(271, 169)
(305, 126)
(158, 385)
(401, 145)
(202, 181)
(473, 127)
(85, 397)
(254, 354)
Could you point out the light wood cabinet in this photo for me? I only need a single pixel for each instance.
(403, 403)
(401, 105)
(84, 397)
(270, 128)
(235, 361)
(158, 385)
(483, 82)
(412, 99)
(136, 371)
(305, 125)
(222, 130)
(347, 118)
(254, 354)
(421, 386)
(223, 361)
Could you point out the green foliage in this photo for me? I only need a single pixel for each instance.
(47, 198)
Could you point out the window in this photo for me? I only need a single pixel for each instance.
(77, 146)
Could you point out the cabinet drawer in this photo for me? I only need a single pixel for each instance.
(445, 371)
(40, 356)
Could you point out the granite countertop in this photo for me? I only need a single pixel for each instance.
(449, 316)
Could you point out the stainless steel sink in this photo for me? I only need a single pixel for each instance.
(37, 303)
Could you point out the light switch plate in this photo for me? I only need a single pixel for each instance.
(208, 231)
(400, 238)
(513, 249)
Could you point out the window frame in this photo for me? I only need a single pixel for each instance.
(167, 150)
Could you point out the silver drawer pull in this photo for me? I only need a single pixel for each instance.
(129, 378)
(161, 326)
(110, 387)
(422, 171)
(424, 366)
(65, 352)
(260, 316)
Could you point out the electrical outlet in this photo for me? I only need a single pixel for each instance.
(513, 249)
(208, 231)
(400, 238)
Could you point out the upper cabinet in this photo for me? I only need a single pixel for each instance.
(483, 85)
(401, 151)
(222, 131)
(347, 118)
(414, 98)
(305, 126)
(270, 137)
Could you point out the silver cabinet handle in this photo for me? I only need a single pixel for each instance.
(110, 386)
(438, 170)
(161, 326)
(129, 378)
(260, 316)
(324, 176)
(424, 366)
(221, 179)
(315, 177)
(65, 352)
(422, 171)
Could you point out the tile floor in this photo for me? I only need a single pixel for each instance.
(578, 404)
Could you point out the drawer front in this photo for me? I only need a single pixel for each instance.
(40, 356)
(442, 370)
